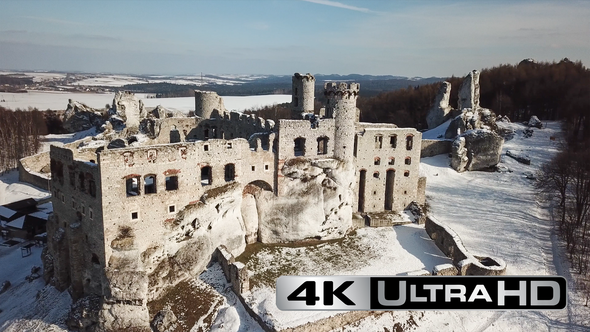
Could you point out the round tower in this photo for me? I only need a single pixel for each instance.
(341, 105)
(206, 102)
(302, 96)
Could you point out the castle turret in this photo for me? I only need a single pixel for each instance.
(302, 95)
(341, 105)
(206, 102)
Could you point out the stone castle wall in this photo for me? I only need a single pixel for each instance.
(76, 227)
(451, 245)
(33, 170)
(431, 148)
(182, 160)
(381, 152)
(290, 130)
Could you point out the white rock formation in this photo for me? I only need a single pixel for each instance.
(476, 150)
(441, 109)
(314, 202)
(469, 91)
(79, 116)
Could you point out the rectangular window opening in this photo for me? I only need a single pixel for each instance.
(132, 186)
(171, 182)
(206, 176)
(230, 172)
(378, 142)
(393, 141)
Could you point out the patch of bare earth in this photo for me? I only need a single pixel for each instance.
(193, 302)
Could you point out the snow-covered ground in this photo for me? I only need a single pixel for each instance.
(500, 214)
(371, 251)
(29, 306)
(56, 100)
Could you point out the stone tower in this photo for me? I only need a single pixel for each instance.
(341, 105)
(302, 95)
(206, 102)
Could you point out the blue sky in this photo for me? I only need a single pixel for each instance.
(407, 38)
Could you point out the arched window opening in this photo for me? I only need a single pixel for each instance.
(132, 186)
(377, 161)
(230, 172)
(376, 175)
(391, 160)
(407, 173)
(149, 184)
(299, 147)
(322, 145)
(408, 161)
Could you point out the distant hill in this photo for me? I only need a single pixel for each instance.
(276, 84)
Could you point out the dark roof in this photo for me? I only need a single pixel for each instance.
(25, 205)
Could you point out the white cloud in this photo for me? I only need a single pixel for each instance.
(339, 5)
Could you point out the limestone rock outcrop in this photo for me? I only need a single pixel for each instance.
(469, 119)
(315, 203)
(440, 111)
(79, 116)
(471, 116)
(476, 150)
(127, 107)
(469, 91)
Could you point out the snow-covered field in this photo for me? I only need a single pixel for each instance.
(56, 100)
(118, 80)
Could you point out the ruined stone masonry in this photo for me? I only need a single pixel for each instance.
(137, 217)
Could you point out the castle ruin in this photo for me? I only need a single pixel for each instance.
(130, 221)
